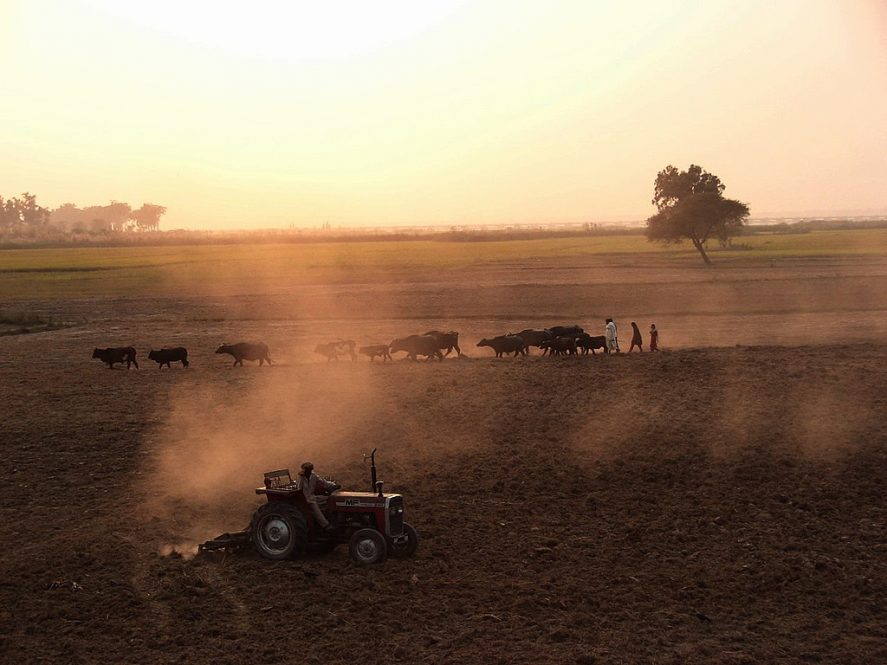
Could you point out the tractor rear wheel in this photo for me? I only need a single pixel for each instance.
(278, 531)
(406, 548)
(367, 547)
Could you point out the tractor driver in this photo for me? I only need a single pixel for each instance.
(308, 483)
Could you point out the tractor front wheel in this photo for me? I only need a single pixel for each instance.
(367, 547)
(405, 548)
(278, 531)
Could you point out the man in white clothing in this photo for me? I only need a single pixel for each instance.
(309, 482)
(612, 339)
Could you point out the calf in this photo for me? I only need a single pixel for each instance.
(118, 354)
(167, 356)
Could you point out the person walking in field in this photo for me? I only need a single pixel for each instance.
(610, 334)
(637, 339)
(654, 338)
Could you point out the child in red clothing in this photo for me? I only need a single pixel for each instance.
(654, 338)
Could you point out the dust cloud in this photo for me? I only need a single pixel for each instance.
(219, 428)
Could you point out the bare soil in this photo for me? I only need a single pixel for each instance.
(721, 501)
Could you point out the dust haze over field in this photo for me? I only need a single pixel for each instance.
(720, 501)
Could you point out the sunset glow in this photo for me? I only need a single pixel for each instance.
(293, 113)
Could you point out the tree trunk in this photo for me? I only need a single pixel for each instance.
(699, 245)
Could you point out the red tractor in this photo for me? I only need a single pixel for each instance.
(371, 523)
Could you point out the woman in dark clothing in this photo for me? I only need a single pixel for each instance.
(636, 339)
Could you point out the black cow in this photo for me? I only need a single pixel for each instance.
(118, 354)
(533, 337)
(565, 331)
(505, 344)
(417, 345)
(375, 350)
(588, 343)
(167, 356)
(446, 340)
(560, 346)
(246, 351)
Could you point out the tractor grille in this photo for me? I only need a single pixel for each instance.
(395, 516)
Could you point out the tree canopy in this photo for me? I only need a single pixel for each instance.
(22, 217)
(147, 218)
(691, 206)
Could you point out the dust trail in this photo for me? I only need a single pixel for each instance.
(219, 428)
(219, 437)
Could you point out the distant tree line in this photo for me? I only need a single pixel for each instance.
(23, 217)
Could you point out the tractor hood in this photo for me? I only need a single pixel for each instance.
(360, 499)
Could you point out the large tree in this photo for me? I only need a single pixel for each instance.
(23, 216)
(691, 206)
(147, 218)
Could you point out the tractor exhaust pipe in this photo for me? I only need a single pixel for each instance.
(374, 483)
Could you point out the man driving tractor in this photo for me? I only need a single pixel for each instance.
(308, 483)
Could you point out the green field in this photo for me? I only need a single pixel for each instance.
(87, 271)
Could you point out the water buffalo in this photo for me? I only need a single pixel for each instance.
(246, 351)
(560, 346)
(346, 346)
(375, 350)
(505, 344)
(332, 349)
(167, 356)
(118, 354)
(565, 331)
(588, 343)
(417, 345)
(446, 340)
(533, 337)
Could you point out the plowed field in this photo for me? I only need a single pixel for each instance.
(720, 501)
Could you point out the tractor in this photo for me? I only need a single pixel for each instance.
(370, 523)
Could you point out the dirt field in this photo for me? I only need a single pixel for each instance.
(721, 501)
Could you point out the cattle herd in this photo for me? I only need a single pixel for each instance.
(554, 341)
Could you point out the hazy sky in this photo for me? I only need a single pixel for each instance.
(274, 113)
